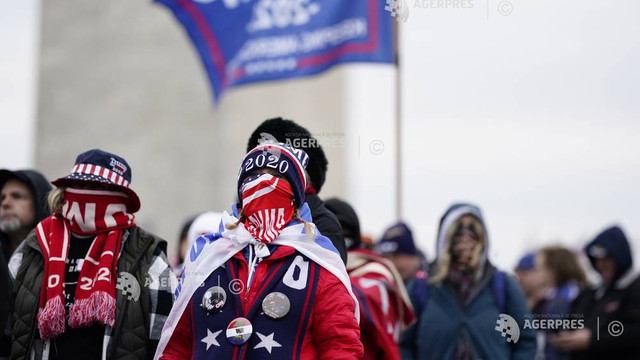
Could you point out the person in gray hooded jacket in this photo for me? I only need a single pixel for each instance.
(470, 310)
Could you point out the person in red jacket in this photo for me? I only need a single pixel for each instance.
(267, 285)
(384, 304)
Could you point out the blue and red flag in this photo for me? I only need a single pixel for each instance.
(247, 41)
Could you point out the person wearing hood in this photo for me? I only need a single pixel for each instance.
(296, 136)
(383, 299)
(471, 309)
(88, 282)
(611, 310)
(267, 284)
(22, 205)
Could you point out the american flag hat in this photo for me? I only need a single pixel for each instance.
(102, 167)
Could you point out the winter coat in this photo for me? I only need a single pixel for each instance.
(140, 312)
(443, 319)
(39, 187)
(612, 311)
(321, 323)
(384, 304)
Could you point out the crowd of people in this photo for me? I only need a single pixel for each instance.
(284, 274)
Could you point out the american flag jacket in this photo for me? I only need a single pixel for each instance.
(295, 266)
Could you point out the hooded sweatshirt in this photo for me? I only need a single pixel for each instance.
(39, 187)
(445, 322)
(608, 303)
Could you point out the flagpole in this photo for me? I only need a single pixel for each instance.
(398, 120)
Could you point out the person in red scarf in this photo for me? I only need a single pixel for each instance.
(384, 303)
(267, 284)
(89, 283)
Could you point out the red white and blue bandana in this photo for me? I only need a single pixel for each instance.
(267, 203)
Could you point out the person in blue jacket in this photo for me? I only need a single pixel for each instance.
(471, 310)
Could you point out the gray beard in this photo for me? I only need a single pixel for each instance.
(10, 226)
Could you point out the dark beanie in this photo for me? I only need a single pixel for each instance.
(294, 135)
(348, 220)
(397, 239)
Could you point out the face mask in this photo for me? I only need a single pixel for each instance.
(267, 204)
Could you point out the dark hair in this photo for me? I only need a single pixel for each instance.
(182, 237)
(564, 265)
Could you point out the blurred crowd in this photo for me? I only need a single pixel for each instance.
(283, 274)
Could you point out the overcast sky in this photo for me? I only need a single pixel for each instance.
(533, 115)
(18, 39)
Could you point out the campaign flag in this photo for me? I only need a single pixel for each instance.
(247, 41)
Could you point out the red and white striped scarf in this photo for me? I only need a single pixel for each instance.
(97, 213)
(267, 203)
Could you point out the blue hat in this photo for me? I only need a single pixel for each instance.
(102, 167)
(289, 162)
(397, 239)
(527, 262)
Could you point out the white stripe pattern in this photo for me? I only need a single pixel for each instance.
(260, 192)
(91, 169)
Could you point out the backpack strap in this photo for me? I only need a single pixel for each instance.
(419, 290)
(499, 290)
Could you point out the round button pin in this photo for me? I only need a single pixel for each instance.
(276, 305)
(214, 299)
(239, 331)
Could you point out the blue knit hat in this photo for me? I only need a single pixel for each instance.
(527, 262)
(397, 239)
(289, 162)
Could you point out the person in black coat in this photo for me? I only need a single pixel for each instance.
(612, 309)
(294, 135)
(22, 205)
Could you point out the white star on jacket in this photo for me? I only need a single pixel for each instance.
(267, 342)
(210, 339)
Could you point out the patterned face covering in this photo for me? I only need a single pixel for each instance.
(267, 203)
